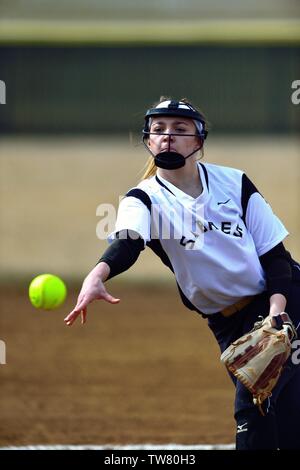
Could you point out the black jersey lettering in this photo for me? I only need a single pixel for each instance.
(184, 241)
(238, 232)
(226, 227)
(211, 225)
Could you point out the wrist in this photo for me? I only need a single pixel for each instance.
(277, 304)
(100, 271)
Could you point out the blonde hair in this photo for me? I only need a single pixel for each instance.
(150, 167)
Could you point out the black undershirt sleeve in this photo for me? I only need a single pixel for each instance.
(277, 266)
(123, 252)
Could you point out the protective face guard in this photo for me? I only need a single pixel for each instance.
(172, 108)
(168, 159)
(172, 160)
(170, 134)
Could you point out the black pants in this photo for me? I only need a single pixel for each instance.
(279, 428)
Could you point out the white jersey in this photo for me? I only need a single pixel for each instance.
(211, 243)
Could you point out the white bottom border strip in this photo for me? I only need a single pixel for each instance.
(124, 447)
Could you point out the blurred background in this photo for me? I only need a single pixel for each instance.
(79, 77)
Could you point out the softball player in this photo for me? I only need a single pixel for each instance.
(210, 225)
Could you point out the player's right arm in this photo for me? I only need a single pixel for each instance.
(92, 289)
(131, 233)
(119, 257)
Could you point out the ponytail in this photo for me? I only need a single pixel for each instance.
(150, 169)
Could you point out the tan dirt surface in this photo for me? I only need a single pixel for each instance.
(144, 371)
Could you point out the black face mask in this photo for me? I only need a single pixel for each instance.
(170, 160)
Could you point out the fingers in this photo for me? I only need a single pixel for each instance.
(81, 308)
(109, 298)
(69, 320)
(83, 315)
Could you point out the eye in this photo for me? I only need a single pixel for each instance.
(157, 130)
(180, 129)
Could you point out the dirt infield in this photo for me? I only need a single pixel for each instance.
(146, 370)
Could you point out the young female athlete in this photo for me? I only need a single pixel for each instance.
(211, 226)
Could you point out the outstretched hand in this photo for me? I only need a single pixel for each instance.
(92, 289)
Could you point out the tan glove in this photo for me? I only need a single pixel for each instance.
(258, 357)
